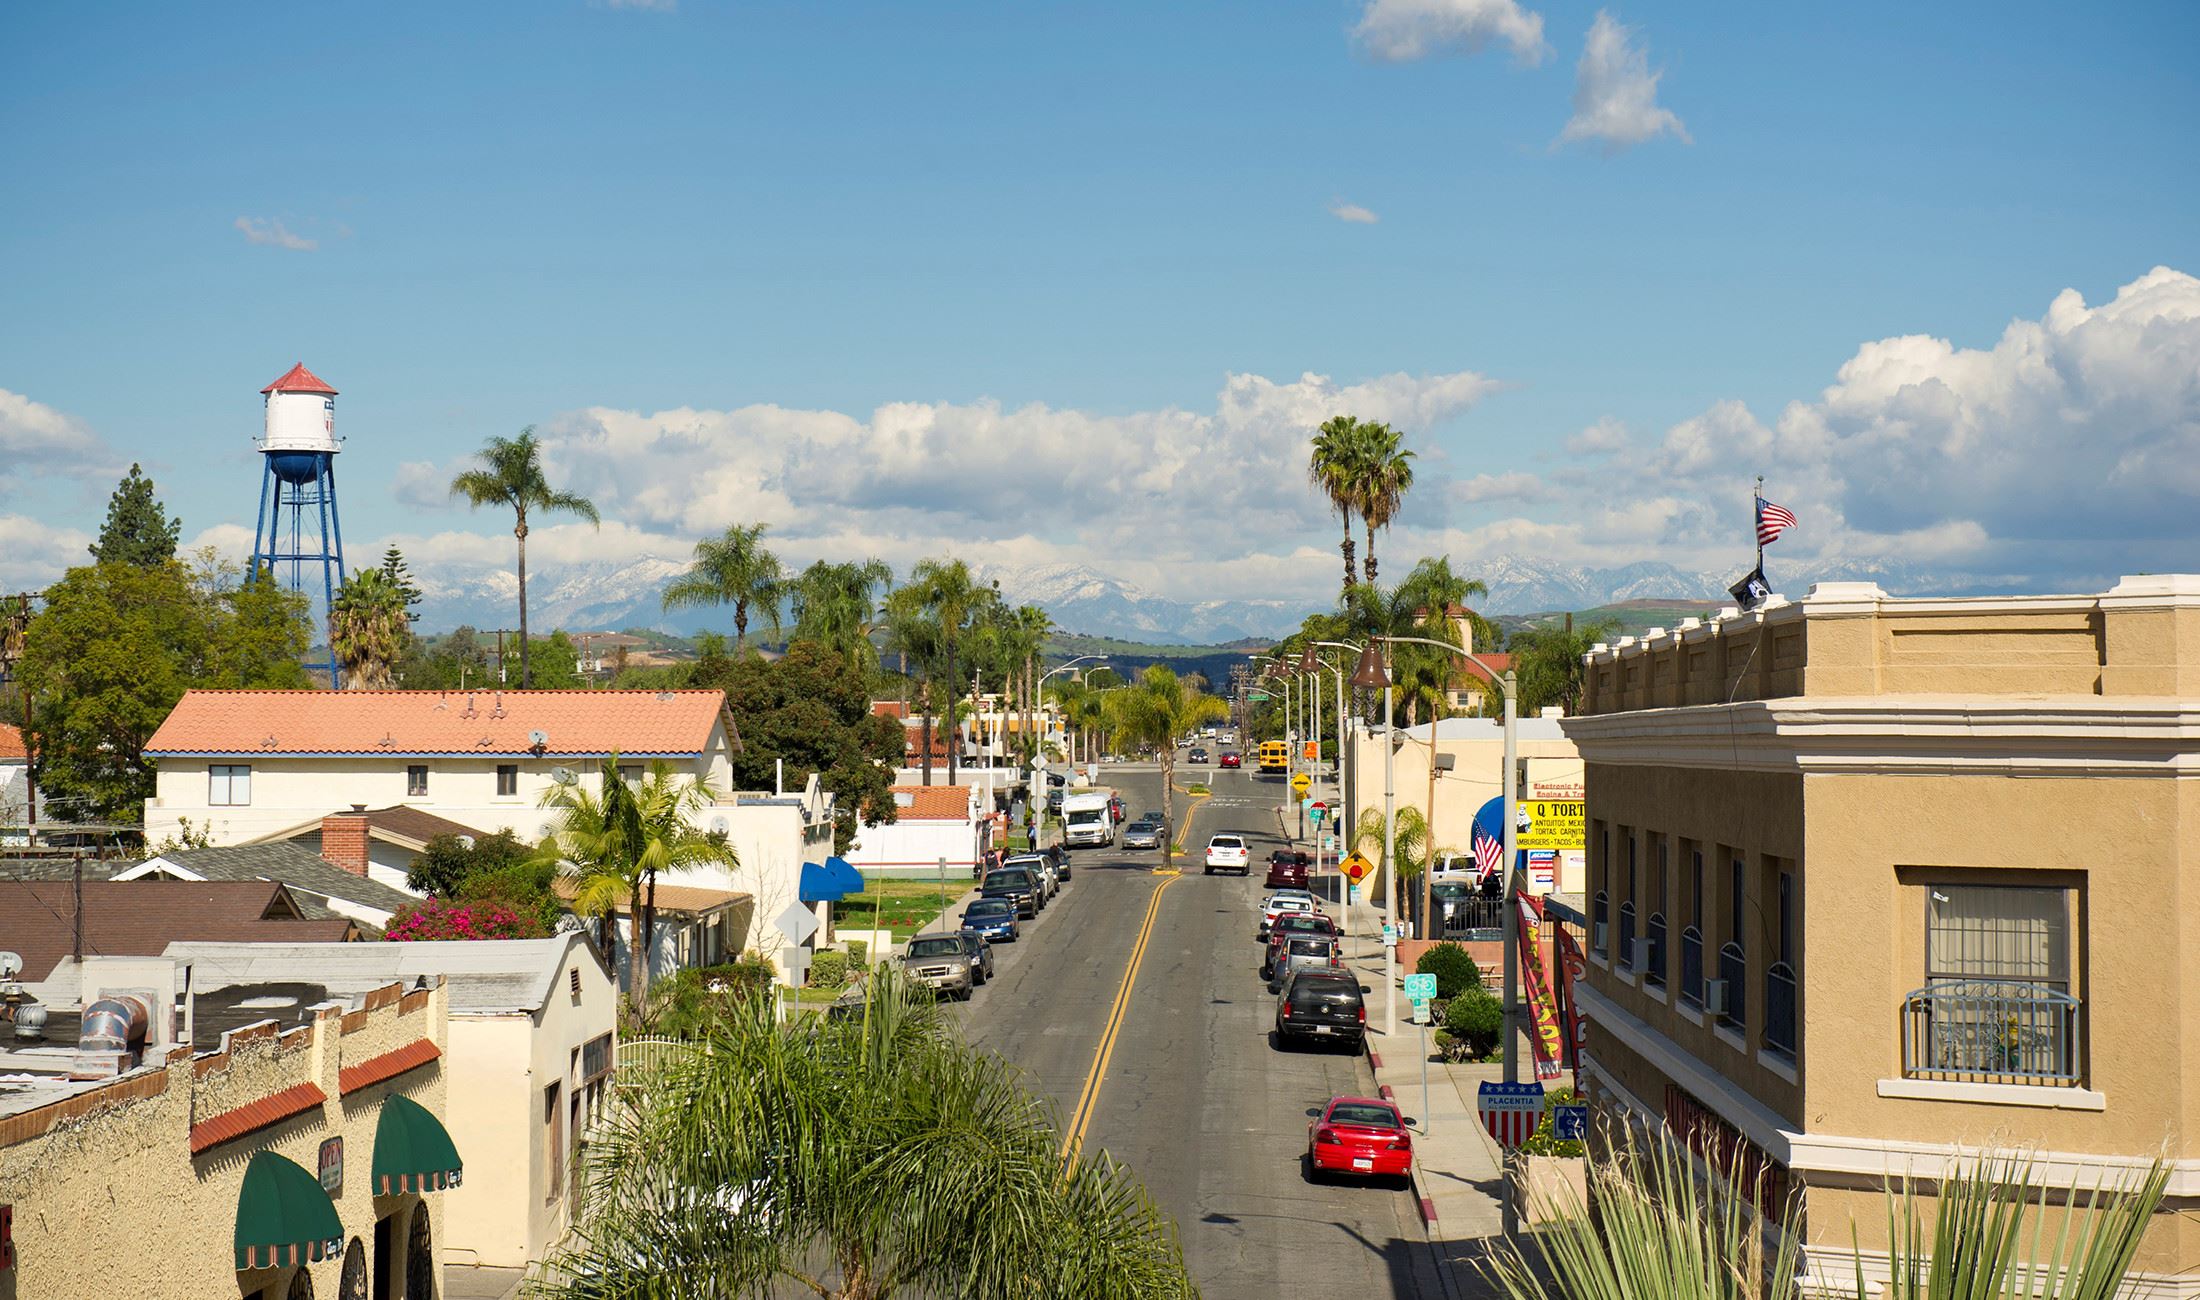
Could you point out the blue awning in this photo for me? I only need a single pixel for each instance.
(817, 885)
(848, 878)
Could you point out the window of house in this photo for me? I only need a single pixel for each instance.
(1627, 906)
(2001, 932)
(507, 779)
(416, 780)
(554, 1139)
(229, 785)
(631, 773)
(1600, 903)
(1654, 927)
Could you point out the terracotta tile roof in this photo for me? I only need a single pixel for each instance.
(1469, 668)
(388, 1065)
(233, 1124)
(912, 734)
(890, 708)
(670, 898)
(140, 918)
(298, 379)
(11, 743)
(932, 803)
(399, 723)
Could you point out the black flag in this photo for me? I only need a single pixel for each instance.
(1751, 591)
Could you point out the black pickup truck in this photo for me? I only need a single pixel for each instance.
(1015, 884)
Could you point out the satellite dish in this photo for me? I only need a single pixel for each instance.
(564, 775)
(11, 965)
(538, 738)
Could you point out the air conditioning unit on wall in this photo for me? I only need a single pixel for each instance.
(1714, 997)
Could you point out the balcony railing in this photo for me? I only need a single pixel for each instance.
(1654, 973)
(1692, 965)
(1626, 957)
(1780, 1010)
(1992, 1031)
(1734, 969)
(1600, 917)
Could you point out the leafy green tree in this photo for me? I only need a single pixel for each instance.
(1548, 661)
(400, 575)
(368, 629)
(449, 861)
(1155, 710)
(558, 663)
(139, 530)
(862, 1158)
(113, 650)
(511, 475)
(732, 570)
(810, 711)
(838, 606)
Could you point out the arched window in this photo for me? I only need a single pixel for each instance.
(301, 1286)
(353, 1284)
(420, 1257)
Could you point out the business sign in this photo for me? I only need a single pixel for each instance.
(1510, 1111)
(1420, 987)
(1554, 824)
(331, 1165)
(1543, 870)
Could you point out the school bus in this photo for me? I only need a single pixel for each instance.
(1275, 756)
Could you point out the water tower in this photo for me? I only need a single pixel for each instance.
(298, 540)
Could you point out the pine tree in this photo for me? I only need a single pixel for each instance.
(395, 569)
(139, 530)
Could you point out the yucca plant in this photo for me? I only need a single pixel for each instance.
(1659, 1232)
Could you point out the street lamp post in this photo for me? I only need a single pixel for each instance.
(1037, 794)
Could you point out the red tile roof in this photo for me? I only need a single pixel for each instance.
(233, 1124)
(932, 803)
(140, 918)
(388, 1065)
(298, 379)
(482, 722)
(912, 740)
(890, 708)
(11, 743)
(1497, 663)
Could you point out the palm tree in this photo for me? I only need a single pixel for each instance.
(862, 1158)
(512, 476)
(1155, 710)
(1409, 839)
(911, 632)
(1332, 468)
(735, 570)
(1549, 662)
(951, 598)
(837, 605)
(1382, 473)
(614, 845)
(368, 629)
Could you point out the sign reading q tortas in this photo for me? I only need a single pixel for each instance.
(1555, 824)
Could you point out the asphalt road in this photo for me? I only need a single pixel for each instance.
(1193, 1096)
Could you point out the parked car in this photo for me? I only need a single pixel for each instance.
(1050, 879)
(1197, 756)
(980, 954)
(1231, 758)
(995, 918)
(1288, 925)
(940, 962)
(1361, 1136)
(1300, 952)
(1289, 869)
(1227, 852)
(1142, 835)
(1321, 1005)
(1281, 902)
(1015, 884)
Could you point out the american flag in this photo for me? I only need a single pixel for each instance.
(1772, 521)
(1489, 852)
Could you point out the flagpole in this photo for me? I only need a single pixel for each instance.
(1756, 518)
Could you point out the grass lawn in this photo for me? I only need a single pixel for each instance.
(903, 906)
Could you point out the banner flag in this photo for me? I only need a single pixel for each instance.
(1572, 965)
(1535, 983)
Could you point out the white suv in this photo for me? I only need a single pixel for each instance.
(1228, 853)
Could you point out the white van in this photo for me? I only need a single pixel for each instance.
(1087, 821)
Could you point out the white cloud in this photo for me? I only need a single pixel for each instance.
(1403, 31)
(1513, 486)
(270, 232)
(34, 553)
(1616, 93)
(1352, 212)
(1600, 439)
(422, 484)
(40, 442)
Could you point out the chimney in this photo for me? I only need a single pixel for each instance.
(344, 840)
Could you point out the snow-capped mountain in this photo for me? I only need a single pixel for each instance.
(608, 595)
(1087, 601)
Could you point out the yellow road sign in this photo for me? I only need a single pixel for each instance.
(1357, 866)
(1301, 783)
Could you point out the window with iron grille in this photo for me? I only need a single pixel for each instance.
(1997, 1005)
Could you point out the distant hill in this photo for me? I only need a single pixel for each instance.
(1633, 617)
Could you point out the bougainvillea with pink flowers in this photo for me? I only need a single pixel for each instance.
(436, 918)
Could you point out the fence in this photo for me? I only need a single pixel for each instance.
(1992, 1030)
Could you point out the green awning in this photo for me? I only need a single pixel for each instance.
(283, 1216)
(412, 1151)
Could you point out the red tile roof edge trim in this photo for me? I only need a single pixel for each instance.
(388, 1065)
(273, 1109)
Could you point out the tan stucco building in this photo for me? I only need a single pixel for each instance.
(1877, 883)
(279, 1166)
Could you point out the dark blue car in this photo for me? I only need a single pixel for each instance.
(995, 918)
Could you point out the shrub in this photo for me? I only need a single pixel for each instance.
(858, 950)
(828, 970)
(524, 887)
(1542, 1143)
(1476, 1019)
(435, 918)
(752, 973)
(1453, 968)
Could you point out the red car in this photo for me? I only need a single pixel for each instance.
(1232, 760)
(1292, 924)
(1288, 868)
(1361, 1136)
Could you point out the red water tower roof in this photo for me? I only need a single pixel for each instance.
(298, 379)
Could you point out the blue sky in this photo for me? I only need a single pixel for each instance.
(901, 278)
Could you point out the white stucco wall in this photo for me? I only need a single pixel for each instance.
(916, 844)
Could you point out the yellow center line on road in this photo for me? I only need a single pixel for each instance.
(1088, 1099)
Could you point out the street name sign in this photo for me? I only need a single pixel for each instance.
(1510, 1111)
